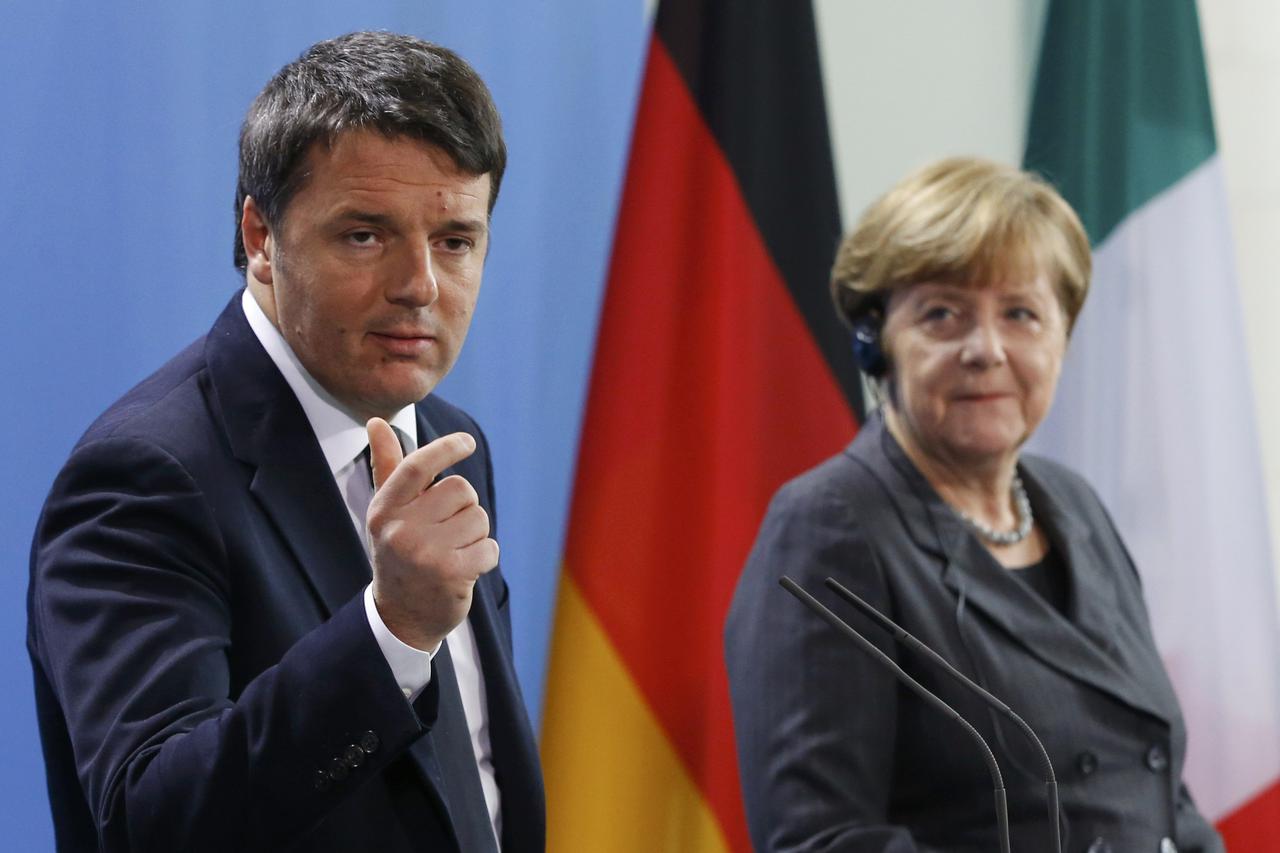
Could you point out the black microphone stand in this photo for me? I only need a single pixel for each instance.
(997, 780)
(902, 636)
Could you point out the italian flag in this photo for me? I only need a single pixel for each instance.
(720, 372)
(1155, 406)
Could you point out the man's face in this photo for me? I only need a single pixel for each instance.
(372, 275)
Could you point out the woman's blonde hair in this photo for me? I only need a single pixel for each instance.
(962, 220)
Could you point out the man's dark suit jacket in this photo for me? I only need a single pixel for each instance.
(836, 756)
(199, 641)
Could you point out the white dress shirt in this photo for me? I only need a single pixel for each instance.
(343, 439)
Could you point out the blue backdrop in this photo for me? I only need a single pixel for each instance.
(118, 133)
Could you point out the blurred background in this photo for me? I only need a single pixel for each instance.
(117, 171)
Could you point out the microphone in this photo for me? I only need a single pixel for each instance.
(997, 780)
(902, 636)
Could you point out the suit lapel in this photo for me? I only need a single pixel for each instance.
(511, 737)
(1079, 647)
(306, 507)
(269, 431)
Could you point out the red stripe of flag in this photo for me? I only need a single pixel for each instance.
(1252, 827)
(708, 392)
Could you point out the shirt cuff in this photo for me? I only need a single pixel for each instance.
(411, 667)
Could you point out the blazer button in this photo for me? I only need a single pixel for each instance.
(338, 769)
(323, 780)
(1086, 763)
(1100, 845)
(1157, 759)
(369, 743)
(353, 756)
(1167, 846)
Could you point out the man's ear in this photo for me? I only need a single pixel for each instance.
(259, 245)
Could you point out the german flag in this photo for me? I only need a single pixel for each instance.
(720, 372)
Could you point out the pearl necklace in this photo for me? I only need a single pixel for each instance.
(1008, 537)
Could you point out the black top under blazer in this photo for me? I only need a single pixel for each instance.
(835, 755)
(206, 678)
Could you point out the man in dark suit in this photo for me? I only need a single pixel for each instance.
(244, 635)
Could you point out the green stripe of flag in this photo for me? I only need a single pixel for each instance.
(1121, 109)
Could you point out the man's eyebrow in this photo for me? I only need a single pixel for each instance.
(468, 226)
(352, 214)
(367, 217)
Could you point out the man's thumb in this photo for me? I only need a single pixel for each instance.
(385, 452)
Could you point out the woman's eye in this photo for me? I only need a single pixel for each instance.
(936, 313)
(1021, 314)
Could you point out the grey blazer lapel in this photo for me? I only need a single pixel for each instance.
(1100, 595)
(1082, 647)
(991, 595)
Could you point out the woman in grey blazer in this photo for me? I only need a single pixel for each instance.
(961, 284)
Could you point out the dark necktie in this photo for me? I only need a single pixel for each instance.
(452, 742)
(451, 737)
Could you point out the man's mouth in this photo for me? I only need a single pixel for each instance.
(404, 342)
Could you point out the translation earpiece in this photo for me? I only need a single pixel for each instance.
(867, 352)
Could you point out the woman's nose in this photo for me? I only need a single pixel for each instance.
(982, 346)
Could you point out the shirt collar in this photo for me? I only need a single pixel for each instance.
(342, 435)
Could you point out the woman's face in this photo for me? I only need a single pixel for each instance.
(972, 369)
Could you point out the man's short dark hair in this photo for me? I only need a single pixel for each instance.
(396, 84)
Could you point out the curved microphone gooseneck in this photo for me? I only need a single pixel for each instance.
(902, 636)
(997, 780)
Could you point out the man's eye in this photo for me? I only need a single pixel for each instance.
(362, 238)
(455, 244)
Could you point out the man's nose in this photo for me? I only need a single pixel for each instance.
(416, 284)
